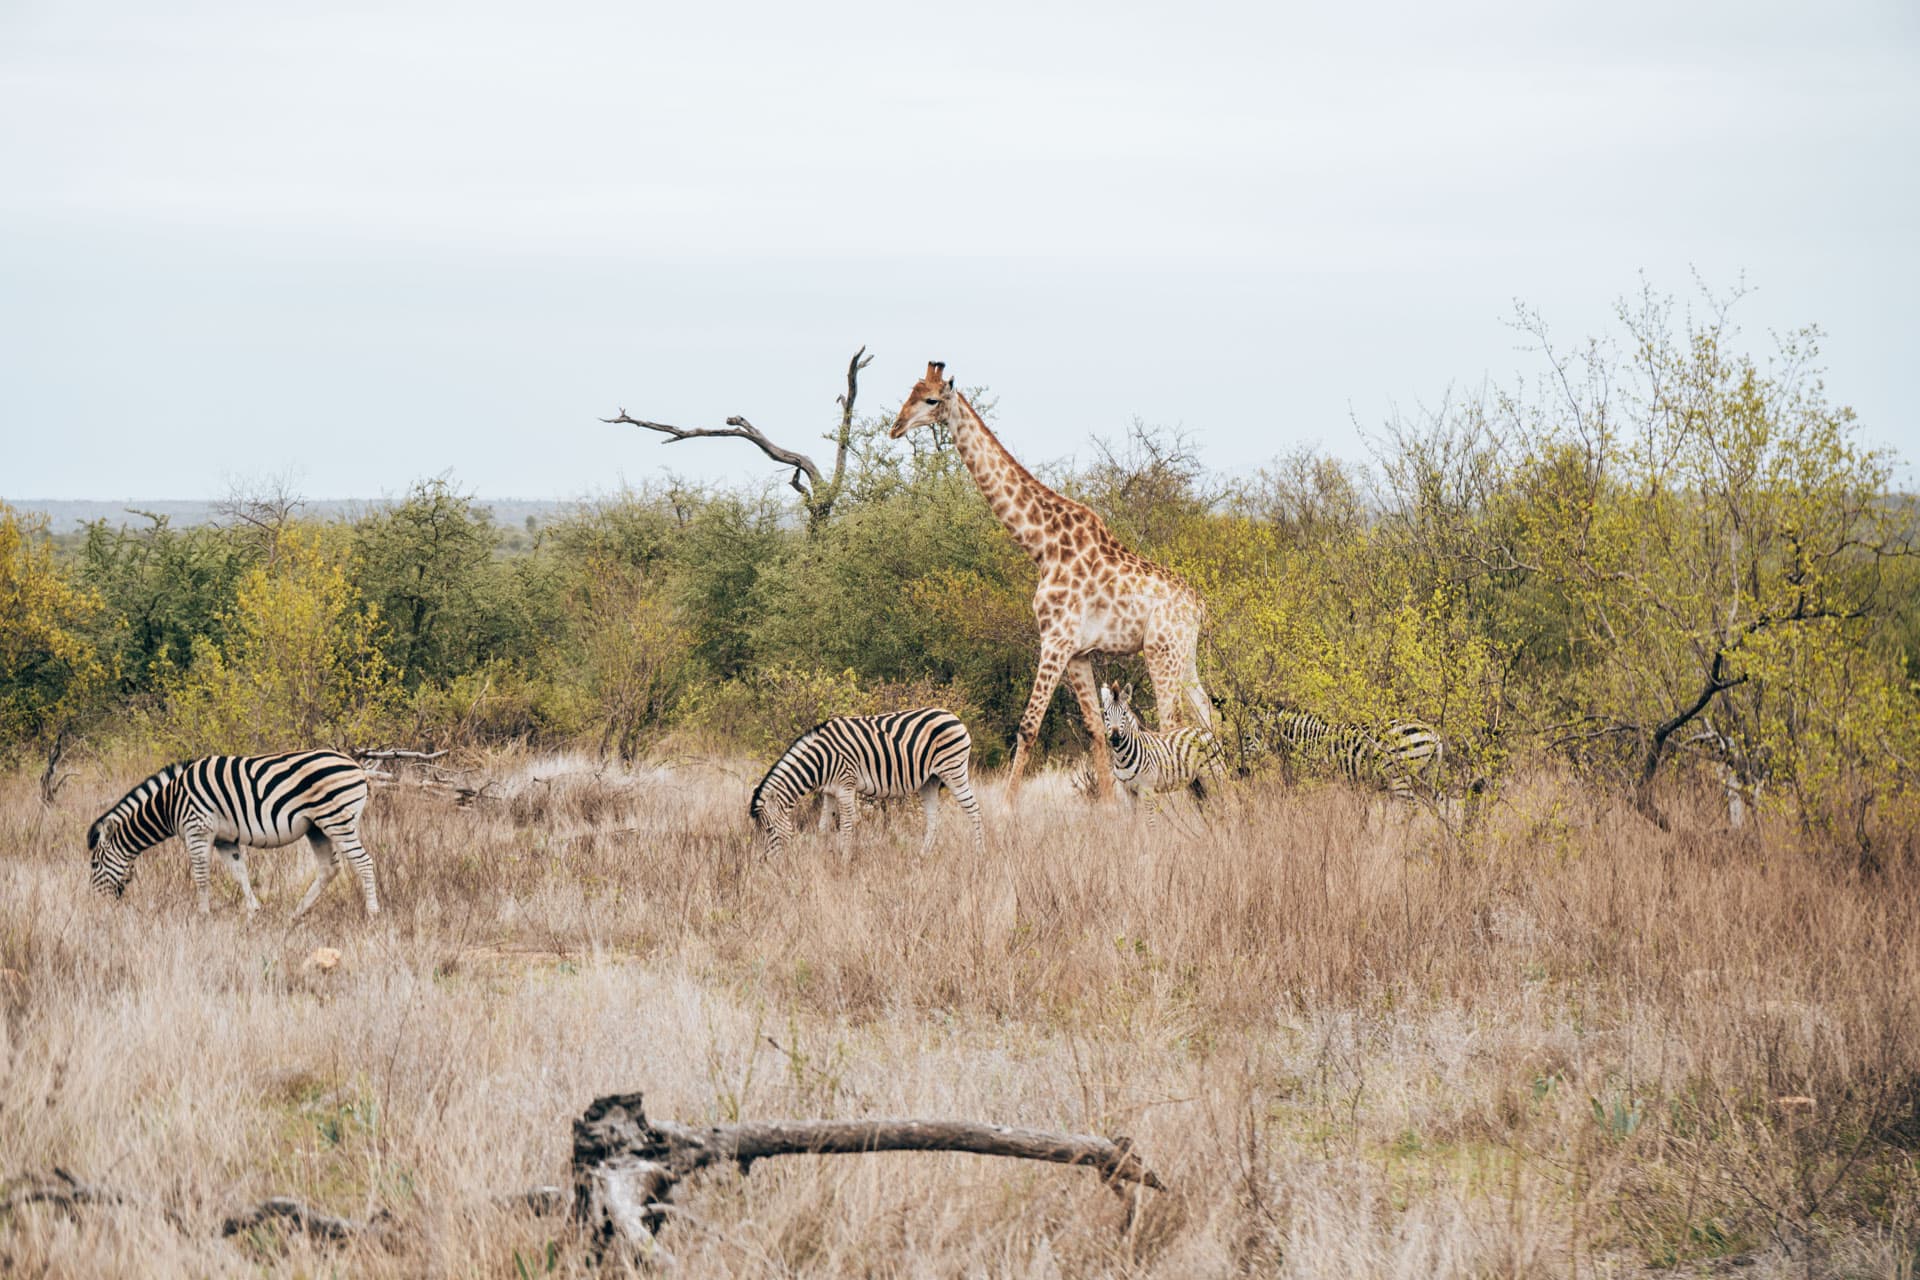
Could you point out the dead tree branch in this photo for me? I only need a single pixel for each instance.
(394, 753)
(64, 1191)
(816, 493)
(52, 780)
(625, 1168)
(296, 1213)
(740, 427)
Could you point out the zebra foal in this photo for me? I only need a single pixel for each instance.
(224, 802)
(1152, 763)
(851, 757)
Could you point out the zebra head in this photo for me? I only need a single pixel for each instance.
(930, 401)
(1116, 710)
(772, 820)
(109, 866)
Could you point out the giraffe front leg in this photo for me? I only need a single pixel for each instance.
(1053, 663)
(1086, 690)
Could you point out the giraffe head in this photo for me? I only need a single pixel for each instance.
(931, 400)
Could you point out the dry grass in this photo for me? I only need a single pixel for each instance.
(1578, 1045)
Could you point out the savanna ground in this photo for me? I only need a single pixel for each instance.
(1573, 1044)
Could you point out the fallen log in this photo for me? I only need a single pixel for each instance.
(625, 1167)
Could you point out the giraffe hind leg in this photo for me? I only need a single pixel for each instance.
(1086, 691)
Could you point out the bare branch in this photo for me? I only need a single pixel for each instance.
(298, 1214)
(818, 494)
(737, 427)
(860, 361)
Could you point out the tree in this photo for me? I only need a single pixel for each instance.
(50, 668)
(300, 663)
(427, 563)
(1703, 517)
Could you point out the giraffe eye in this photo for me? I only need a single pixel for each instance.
(933, 400)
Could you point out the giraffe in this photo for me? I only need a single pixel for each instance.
(1095, 597)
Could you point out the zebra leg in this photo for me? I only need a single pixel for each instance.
(827, 814)
(325, 864)
(236, 862)
(197, 861)
(962, 787)
(930, 803)
(345, 837)
(848, 805)
(1086, 690)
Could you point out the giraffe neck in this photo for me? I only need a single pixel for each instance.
(1018, 500)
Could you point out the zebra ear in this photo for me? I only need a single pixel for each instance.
(1126, 693)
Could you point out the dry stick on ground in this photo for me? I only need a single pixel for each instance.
(817, 493)
(625, 1168)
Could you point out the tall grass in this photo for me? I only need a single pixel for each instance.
(1570, 1043)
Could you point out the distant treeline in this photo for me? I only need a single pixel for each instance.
(1664, 553)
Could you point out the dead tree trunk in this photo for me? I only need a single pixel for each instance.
(625, 1167)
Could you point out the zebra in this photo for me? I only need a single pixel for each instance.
(1406, 751)
(850, 757)
(229, 801)
(1145, 761)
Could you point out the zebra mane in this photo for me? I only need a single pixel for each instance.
(753, 805)
(139, 793)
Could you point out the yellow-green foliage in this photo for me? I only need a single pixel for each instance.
(49, 665)
(1342, 630)
(301, 664)
(636, 654)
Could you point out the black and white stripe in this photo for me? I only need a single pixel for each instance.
(224, 802)
(853, 757)
(1148, 762)
(1394, 760)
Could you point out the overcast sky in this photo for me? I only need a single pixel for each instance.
(369, 243)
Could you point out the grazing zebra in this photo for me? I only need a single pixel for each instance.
(229, 801)
(1151, 763)
(849, 757)
(1406, 751)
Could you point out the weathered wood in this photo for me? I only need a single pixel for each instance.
(817, 492)
(301, 1216)
(626, 1167)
